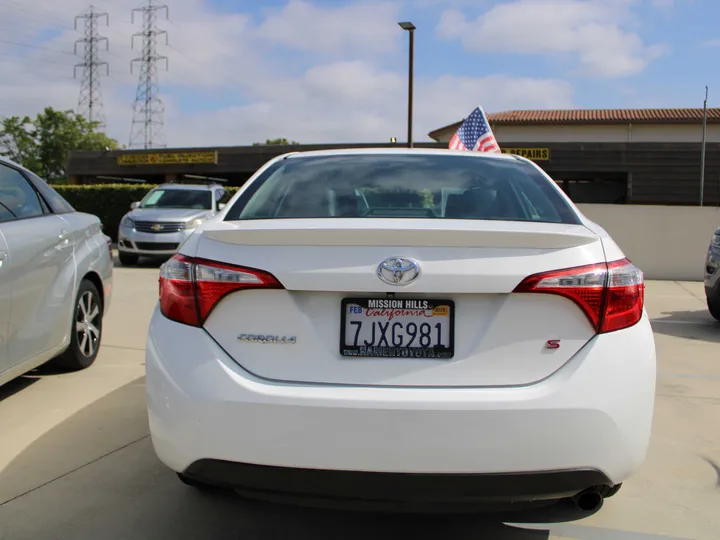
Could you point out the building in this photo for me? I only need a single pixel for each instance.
(235, 164)
(631, 156)
(640, 156)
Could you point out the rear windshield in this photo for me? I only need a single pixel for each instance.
(178, 198)
(402, 186)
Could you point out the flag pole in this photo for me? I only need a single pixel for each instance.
(411, 66)
(410, 27)
(702, 152)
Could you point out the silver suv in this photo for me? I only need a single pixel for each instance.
(167, 215)
(712, 276)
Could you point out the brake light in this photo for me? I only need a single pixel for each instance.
(191, 288)
(625, 296)
(611, 295)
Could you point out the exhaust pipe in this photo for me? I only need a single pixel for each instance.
(588, 501)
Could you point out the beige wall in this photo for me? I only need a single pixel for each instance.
(687, 133)
(666, 242)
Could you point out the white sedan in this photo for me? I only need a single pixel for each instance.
(56, 272)
(405, 327)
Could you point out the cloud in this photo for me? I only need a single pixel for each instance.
(591, 30)
(237, 78)
(367, 27)
(354, 81)
(356, 102)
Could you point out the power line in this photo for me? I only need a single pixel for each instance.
(148, 109)
(90, 100)
(15, 5)
(18, 44)
(47, 64)
(9, 26)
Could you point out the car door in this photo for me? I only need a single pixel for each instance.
(5, 295)
(40, 270)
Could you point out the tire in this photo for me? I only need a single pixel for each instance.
(86, 331)
(713, 304)
(127, 259)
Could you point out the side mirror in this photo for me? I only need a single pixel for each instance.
(221, 206)
(134, 205)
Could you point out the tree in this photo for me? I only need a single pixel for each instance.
(43, 144)
(276, 141)
(17, 141)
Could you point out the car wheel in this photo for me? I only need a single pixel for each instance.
(127, 259)
(713, 304)
(86, 330)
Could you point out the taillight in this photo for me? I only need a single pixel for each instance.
(611, 295)
(191, 288)
(625, 296)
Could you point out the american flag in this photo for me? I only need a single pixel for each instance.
(475, 134)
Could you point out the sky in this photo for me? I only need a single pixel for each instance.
(321, 71)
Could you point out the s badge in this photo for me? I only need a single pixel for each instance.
(552, 344)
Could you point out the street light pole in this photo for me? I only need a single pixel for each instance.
(410, 27)
(702, 152)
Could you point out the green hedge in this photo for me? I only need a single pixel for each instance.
(109, 202)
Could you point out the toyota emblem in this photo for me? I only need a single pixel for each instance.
(398, 271)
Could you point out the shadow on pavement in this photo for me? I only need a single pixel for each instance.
(24, 381)
(16, 385)
(95, 475)
(143, 262)
(697, 325)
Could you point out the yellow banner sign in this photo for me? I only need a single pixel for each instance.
(535, 154)
(167, 158)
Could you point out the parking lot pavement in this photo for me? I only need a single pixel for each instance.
(76, 461)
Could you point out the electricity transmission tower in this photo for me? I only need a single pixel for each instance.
(90, 100)
(148, 109)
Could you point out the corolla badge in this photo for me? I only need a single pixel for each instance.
(268, 339)
(398, 271)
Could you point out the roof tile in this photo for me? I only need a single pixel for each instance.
(595, 116)
(583, 116)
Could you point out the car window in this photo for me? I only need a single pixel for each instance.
(18, 199)
(5, 214)
(402, 186)
(57, 203)
(178, 198)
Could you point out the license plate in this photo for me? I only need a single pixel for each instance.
(397, 328)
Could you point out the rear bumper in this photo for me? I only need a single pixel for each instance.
(593, 414)
(497, 491)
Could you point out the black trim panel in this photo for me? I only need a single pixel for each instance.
(500, 490)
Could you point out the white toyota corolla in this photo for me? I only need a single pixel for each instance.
(405, 327)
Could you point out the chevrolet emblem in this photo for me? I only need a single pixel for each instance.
(156, 227)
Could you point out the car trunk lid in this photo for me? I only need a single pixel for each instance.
(468, 271)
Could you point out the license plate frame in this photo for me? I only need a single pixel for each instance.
(415, 353)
